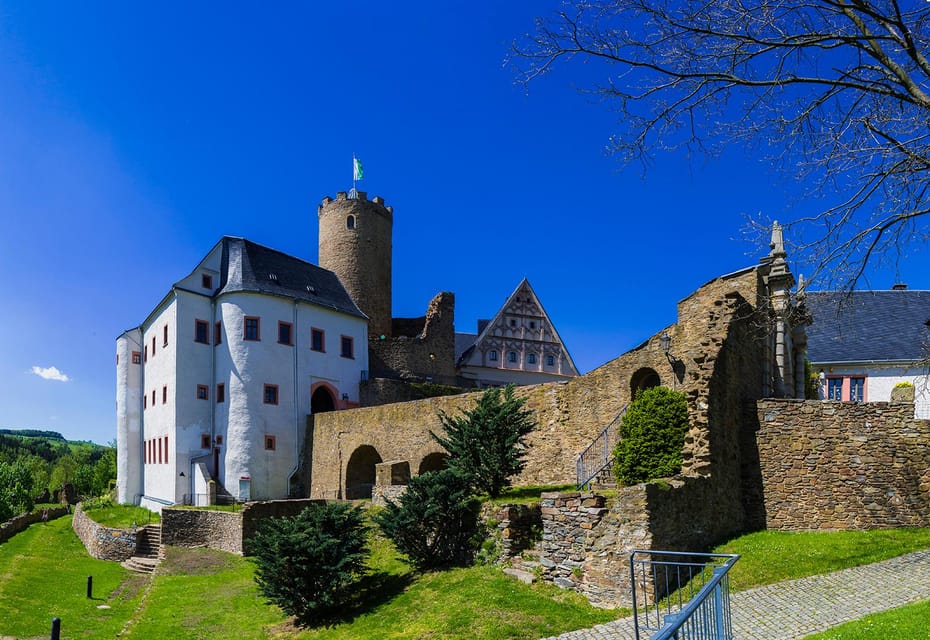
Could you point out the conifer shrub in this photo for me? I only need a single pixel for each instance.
(308, 564)
(435, 521)
(487, 444)
(652, 435)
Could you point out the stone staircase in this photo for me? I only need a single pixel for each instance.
(149, 551)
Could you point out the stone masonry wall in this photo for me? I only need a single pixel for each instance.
(13, 526)
(224, 530)
(102, 542)
(840, 465)
(430, 354)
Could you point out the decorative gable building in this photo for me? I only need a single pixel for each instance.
(219, 379)
(518, 346)
(863, 343)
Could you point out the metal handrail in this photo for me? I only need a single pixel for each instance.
(597, 456)
(704, 615)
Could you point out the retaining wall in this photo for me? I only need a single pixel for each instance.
(103, 543)
(13, 526)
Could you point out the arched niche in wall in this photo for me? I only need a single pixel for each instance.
(435, 461)
(360, 472)
(322, 400)
(644, 378)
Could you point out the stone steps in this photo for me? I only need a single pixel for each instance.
(141, 565)
(149, 550)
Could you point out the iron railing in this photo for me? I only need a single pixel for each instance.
(599, 454)
(681, 595)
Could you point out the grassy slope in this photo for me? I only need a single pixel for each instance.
(43, 574)
(911, 622)
(773, 556)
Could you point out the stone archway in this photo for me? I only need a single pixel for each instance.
(435, 461)
(360, 472)
(642, 379)
(322, 400)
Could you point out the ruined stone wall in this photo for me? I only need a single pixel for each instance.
(103, 543)
(378, 391)
(13, 526)
(840, 465)
(428, 354)
(713, 360)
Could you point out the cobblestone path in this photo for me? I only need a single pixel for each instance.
(797, 608)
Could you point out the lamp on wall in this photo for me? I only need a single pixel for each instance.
(665, 342)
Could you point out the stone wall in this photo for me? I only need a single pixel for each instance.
(714, 359)
(103, 543)
(223, 530)
(515, 527)
(378, 391)
(430, 354)
(13, 526)
(840, 465)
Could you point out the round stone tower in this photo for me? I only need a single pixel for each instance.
(355, 244)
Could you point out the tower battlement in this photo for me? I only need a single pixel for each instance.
(361, 196)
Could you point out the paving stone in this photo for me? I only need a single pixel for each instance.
(798, 608)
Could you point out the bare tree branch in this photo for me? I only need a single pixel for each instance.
(837, 88)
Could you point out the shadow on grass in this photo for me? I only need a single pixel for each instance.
(371, 592)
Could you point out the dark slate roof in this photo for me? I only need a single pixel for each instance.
(865, 326)
(463, 344)
(292, 277)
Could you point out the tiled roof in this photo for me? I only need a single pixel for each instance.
(251, 267)
(864, 326)
(464, 342)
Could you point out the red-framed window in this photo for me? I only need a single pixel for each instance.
(165, 339)
(285, 333)
(164, 394)
(153, 397)
(145, 357)
(145, 401)
(270, 394)
(347, 347)
(218, 333)
(251, 328)
(205, 441)
(270, 443)
(206, 281)
(317, 340)
(153, 346)
(202, 331)
(203, 392)
(136, 357)
(220, 392)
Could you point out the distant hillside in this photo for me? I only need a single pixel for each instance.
(32, 433)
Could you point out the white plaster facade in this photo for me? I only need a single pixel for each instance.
(215, 397)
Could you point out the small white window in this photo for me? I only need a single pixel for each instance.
(531, 358)
(492, 355)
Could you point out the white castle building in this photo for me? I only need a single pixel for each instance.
(219, 379)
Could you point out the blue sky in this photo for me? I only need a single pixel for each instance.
(133, 137)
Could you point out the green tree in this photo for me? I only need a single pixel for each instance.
(307, 564)
(435, 521)
(487, 444)
(15, 490)
(105, 471)
(652, 435)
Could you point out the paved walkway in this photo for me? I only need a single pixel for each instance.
(797, 608)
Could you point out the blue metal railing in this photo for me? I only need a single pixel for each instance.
(599, 454)
(681, 595)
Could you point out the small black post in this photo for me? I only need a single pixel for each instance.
(90, 586)
(56, 628)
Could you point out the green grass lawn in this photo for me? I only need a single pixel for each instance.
(205, 594)
(910, 622)
(119, 516)
(773, 556)
(43, 575)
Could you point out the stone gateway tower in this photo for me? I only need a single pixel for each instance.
(355, 244)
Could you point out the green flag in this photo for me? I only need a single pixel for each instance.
(357, 172)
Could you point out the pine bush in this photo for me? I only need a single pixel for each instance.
(652, 435)
(435, 521)
(487, 444)
(307, 564)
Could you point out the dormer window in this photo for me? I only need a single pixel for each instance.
(350, 222)
(206, 281)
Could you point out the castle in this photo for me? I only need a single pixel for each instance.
(215, 387)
